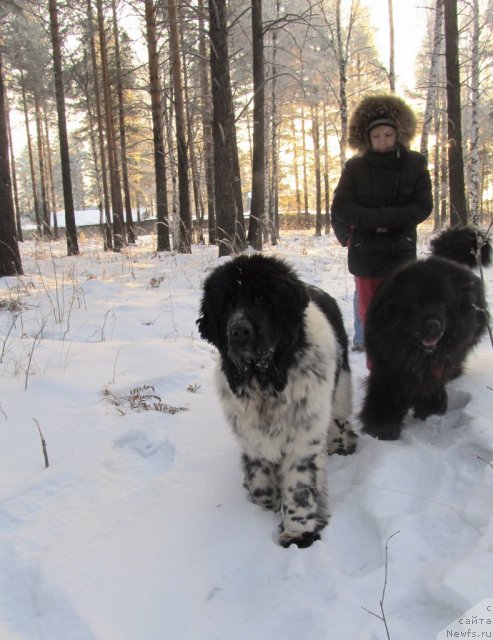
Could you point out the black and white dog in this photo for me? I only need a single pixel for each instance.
(284, 383)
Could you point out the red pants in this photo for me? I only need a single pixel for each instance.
(366, 288)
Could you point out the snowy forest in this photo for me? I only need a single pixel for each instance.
(143, 143)
(223, 121)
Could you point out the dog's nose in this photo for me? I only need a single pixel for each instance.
(433, 327)
(240, 331)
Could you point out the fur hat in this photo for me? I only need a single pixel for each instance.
(377, 109)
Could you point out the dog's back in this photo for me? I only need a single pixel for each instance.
(463, 244)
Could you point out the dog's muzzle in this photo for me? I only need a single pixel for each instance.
(240, 333)
(244, 346)
(431, 332)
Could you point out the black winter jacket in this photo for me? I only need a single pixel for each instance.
(377, 205)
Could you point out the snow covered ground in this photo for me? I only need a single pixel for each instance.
(140, 528)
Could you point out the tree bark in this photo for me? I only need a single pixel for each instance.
(15, 192)
(274, 186)
(392, 47)
(34, 185)
(10, 259)
(42, 168)
(107, 225)
(431, 92)
(474, 158)
(163, 243)
(68, 198)
(318, 181)
(129, 223)
(458, 207)
(229, 237)
(185, 229)
(115, 183)
(206, 125)
(257, 212)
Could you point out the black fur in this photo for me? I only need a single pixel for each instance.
(460, 244)
(283, 379)
(272, 297)
(422, 323)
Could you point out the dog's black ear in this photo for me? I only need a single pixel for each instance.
(208, 324)
(204, 326)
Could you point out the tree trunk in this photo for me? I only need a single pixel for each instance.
(326, 173)
(392, 47)
(10, 259)
(50, 176)
(318, 181)
(15, 192)
(223, 132)
(34, 185)
(432, 89)
(343, 106)
(129, 223)
(274, 208)
(306, 213)
(436, 167)
(206, 125)
(191, 142)
(458, 207)
(444, 176)
(474, 166)
(296, 170)
(258, 177)
(42, 169)
(68, 198)
(115, 183)
(107, 226)
(185, 230)
(163, 243)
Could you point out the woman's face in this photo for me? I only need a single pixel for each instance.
(383, 138)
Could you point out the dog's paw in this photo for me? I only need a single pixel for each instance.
(383, 432)
(302, 540)
(342, 439)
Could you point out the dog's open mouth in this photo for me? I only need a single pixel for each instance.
(432, 331)
(430, 343)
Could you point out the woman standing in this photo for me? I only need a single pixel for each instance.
(384, 192)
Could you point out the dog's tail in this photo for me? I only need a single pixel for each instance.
(460, 244)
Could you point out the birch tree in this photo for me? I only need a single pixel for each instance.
(474, 158)
(392, 46)
(206, 109)
(433, 77)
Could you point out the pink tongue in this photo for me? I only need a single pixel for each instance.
(430, 342)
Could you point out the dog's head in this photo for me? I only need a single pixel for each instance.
(463, 244)
(432, 305)
(252, 310)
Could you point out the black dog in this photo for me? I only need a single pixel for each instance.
(284, 383)
(423, 322)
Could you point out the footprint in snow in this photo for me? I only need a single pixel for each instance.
(158, 454)
(458, 399)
